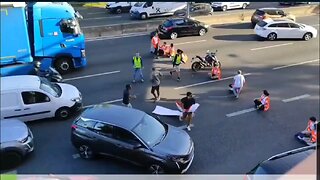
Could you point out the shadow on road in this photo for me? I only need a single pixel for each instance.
(237, 37)
(234, 26)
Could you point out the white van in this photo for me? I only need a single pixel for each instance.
(224, 6)
(144, 10)
(29, 97)
(119, 7)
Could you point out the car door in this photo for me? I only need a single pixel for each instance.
(10, 105)
(295, 31)
(192, 27)
(36, 105)
(283, 30)
(129, 147)
(181, 27)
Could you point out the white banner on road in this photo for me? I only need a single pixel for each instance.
(159, 110)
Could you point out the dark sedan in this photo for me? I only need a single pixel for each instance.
(176, 27)
(133, 136)
(197, 9)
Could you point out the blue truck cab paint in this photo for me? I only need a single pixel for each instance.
(42, 31)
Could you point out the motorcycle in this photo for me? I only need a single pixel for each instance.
(51, 74)
(199, 63)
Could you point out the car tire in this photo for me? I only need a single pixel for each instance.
(118, 10)
(202, 32)
(224, 8)
(143, 16)
(10, 159)
(86, 152)
(272, 36)
(63, 113)
(244, 5)
(156, 168)
(307, 36)
(173, 35)
(63, 65)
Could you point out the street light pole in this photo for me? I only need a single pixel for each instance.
(188, 10)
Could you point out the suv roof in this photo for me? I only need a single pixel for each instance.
(120, 116)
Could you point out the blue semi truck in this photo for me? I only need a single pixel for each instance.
(48, 32)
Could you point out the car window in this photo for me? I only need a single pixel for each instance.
(271, 12)
(124, 136)
(273, 25)
(167, 24)
(104, 129)
(148, 4)
(85, 123)
(180, 22)
(283, 25)
(262, 23)
(33, 97)
(280, 12)
(293, 25)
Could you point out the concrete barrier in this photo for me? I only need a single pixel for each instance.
(232, 17)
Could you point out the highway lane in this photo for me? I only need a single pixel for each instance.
(100, 17)
(223, 145)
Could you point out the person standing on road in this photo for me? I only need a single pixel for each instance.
(155, 80)
(126, 99)
(138, 66)
(176, 61)
(155, 41)
(263, 103)
(187, 102)
(238, 82)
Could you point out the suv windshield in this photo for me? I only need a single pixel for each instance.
(47, 86)
(150, 130)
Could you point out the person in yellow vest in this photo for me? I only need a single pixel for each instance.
(176, 61)
(137, 65)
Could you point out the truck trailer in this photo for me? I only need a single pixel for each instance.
(48, 32)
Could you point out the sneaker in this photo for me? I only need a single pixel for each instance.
(158, 99)
(142, 80)
(171, 73)
(178, 79)
(188, 128)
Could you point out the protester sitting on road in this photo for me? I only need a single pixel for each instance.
(238, 82)
(311, 122)
(126, 99)
(308, 138)
(164, 50)
(263, 103)
(215, 72)
(187, 102)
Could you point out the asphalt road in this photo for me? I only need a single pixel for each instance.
(100, 17)
(223, 145)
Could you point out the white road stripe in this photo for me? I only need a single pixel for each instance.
(92, 75)
(267, 47)
(241, 112)
(190, 42)
(110, 17)
(107, 102)
(296, 64)
(207, 82)
(116, 36)
(295, 98)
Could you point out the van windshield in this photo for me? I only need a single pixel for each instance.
(47, 86)
(138, 4)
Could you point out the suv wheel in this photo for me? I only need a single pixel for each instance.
(307, 36)
(272, 36)
(202, 32)
(156, 168)
(85, 152)
(173, 35)
(10, 159)
(62, 113)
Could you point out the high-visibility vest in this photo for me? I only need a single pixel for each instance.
(184, 58)
(216, 71)
(266, 99)
(310, 124)
(155, 41)
(179, 58)
(172, 51)
(313, 136)
(137, 62)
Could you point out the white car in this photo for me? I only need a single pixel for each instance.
(224, 6)
(119, 7)
(284, 29)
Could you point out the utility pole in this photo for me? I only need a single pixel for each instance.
(188, 10)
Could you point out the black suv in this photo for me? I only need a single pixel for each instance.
(177, 27)
(133, 136)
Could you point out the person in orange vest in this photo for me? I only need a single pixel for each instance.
(215, 72)
(172, 51)
(263, 103)
(311, 122)
(308, 139)
(164, 50)
(155, 41)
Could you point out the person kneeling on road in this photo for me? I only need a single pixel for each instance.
(187, 102)
(263, 103)
(215, 72)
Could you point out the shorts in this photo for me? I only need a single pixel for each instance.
(155, 88)
(176, 68)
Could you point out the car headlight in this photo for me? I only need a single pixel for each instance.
(206, 26)
(78, 99)
(178, 159)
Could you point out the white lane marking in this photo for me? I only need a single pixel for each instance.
(295, 98)
(241, 112)
(267, 47)
(190, 42)
(296, 64)
(92, 75)
(207, 82)
(75, 156)
(106, 102)
(101, 18)
(97, 13)
(11, 172)
(116, 36)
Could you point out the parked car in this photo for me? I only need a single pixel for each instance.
(292, 3)
(280, 163)
(224, 6)
(29, 97)
(119, 7)
(133, 136)
(284, 29)
(145, 10)
(16, 142)
(273, 13)
(177, 27)
(196, 9)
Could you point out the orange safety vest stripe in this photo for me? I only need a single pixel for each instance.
(267, 105)
(313, 136)
(310, 123)
(155, 41)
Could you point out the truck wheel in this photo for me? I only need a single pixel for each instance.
(63, 113)
(143, 16)
(63, 65)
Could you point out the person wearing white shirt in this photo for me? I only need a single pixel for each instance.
(238, 82)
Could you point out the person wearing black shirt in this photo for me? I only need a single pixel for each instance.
(187, 102)
(127, 96)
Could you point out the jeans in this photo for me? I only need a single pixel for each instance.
(137, 71)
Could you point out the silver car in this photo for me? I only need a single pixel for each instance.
(16, 141)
